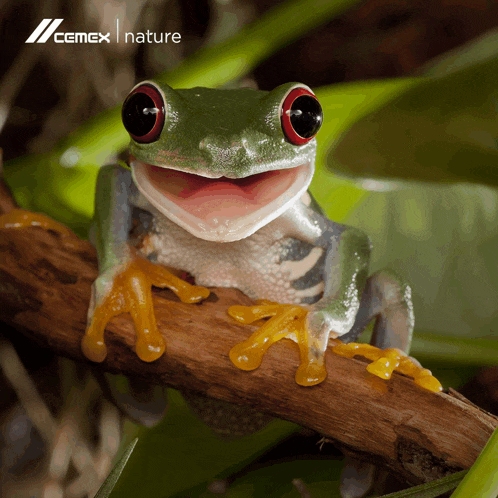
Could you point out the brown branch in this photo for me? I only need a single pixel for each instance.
(45, 284)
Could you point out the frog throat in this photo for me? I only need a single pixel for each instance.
(221, 209)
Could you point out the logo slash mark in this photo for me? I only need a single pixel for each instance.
(41, 27)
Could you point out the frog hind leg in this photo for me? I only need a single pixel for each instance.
(144, 403)
(357, 478)
(387, 299)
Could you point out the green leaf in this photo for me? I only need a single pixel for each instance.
(442, 241)
(108, 485)
(465, 351)
(430, 489)
(482, 478)
(342, 104)
(479, 49)
(441, 130)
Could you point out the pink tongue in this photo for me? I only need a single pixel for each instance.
(209, 198)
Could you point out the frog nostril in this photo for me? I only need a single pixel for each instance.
(224, 147)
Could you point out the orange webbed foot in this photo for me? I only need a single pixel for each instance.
(385, 362)
(20, 218)
(287, 321)
(130, 292)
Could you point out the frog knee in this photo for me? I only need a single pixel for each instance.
(389, 288)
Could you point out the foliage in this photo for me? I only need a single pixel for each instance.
(112, 479)
(482, 479)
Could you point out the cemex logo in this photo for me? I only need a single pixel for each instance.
(47, 28)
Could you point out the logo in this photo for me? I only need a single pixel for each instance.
(47, 28)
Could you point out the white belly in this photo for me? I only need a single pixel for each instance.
(258, 265)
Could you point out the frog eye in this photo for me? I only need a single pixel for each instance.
(301, 116)
(143, 113)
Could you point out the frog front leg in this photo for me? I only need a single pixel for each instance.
(125, 278)
(344, 274)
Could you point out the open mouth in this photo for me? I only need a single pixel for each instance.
(221, 209)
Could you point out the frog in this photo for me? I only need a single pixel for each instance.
(217, 185)
(219, 180)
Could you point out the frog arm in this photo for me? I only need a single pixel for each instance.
(142, 402)
(345, 268)
(113, 216)
(345, 274)
(347, 254)
(383, 295)
(125, 278)
(109, 234)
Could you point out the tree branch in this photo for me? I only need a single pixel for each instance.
(45, 284)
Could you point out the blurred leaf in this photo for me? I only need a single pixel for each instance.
(465, 351)
(450, 373)
(476, 50)
(482, 478)
(342, 104)
(62, 183)
(108, 485)
(232, 59)
(442, 130)
(430, 489)
(442, 240)
(181, 453)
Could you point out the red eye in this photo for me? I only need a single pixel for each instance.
(301, 116)
(143, 113)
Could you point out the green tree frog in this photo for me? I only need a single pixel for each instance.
(217, 186)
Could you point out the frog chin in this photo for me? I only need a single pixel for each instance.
(221, 209)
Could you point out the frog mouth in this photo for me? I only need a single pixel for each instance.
(221, 209)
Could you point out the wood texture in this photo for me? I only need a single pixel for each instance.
(45, 284)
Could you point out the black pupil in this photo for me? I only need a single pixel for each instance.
(139, 114)
(306, 116)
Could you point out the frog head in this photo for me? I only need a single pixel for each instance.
(222, 163)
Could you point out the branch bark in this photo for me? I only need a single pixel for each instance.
(45, 284)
